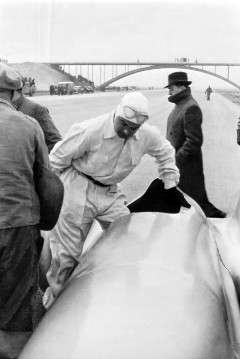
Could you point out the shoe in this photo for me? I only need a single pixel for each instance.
(217, 214)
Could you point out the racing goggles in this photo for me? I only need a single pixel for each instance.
(133, 115)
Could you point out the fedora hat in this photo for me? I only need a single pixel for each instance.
(178, 78)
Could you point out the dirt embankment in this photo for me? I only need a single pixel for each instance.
(233, 96)
(43, 74)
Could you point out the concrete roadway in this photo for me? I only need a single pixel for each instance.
(221, 153)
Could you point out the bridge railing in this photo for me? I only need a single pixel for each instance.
(104, 73)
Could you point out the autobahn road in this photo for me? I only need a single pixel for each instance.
(221, 154)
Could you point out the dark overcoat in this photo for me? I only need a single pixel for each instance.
(42, 116)
(184, 131)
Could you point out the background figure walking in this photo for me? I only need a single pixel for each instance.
(238, 132)
(208, 92)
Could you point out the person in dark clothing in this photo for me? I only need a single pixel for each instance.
(238, 132)
(208, 92)
(40, 114)
(184, 131)
(22, 145)
(52, 90)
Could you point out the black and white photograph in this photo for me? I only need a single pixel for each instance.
(119, 179)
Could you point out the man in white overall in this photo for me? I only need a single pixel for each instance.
(92, 159)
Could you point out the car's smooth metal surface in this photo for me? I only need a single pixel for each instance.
(154, 286)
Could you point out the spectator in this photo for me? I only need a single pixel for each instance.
(93, 158)
(238, 132)
(22, 145)
(32, 82)
(52, 90)
(40, 114)
(208, 92)
(184, 131)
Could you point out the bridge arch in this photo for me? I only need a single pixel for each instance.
(156, 67)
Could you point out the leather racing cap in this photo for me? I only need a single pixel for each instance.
(134, 107)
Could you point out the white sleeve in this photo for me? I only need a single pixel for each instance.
(164, 153)
(73, 146)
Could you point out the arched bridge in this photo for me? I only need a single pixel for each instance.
(118, 70)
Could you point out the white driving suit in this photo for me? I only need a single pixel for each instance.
(93, 148)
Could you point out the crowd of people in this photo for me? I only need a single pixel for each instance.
(29, 80)
(91, 161)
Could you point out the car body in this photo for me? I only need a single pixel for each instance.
(65, 88)
(78, 89)
(53, 89)
(154, 285)
(88, 89)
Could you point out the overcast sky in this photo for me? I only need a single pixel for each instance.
(118, 30)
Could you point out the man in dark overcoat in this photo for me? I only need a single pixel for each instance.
(184, 131)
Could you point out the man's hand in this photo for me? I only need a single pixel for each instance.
(238, 136)
(176, 196)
